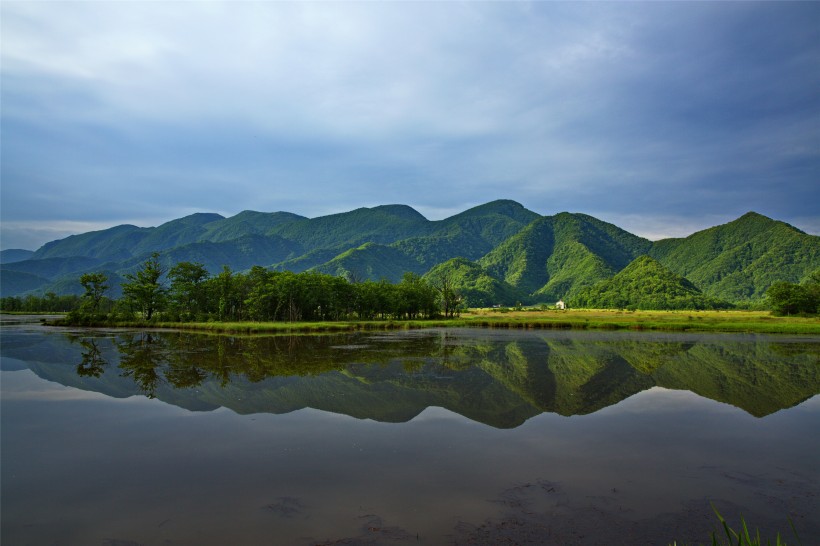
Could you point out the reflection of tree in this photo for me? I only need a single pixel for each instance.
(496, 379)
(93, 364)
(185, 376)
(139, 358)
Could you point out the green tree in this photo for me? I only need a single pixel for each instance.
(415, 298)
(792, 299)
(227, 293)
(187, 289)
(448, 296)
(144, 289)
(95, 286)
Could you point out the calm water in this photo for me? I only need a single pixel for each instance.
(422, 437)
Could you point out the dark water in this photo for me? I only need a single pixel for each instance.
(421, 437)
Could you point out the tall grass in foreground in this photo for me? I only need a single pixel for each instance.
(742, 537)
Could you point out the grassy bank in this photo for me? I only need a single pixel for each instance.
(580, 319)
(694, 321)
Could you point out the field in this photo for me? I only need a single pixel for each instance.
(581, 319)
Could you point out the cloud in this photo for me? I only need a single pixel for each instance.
(121, 110)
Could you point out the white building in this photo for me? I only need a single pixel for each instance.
(560, 305)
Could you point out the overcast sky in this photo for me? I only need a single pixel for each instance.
(663, 118)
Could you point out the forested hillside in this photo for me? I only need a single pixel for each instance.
(645, 284)
(496, 253)
(740, 260)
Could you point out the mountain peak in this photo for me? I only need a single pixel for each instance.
(756, 221)
(196, 219)
(503, 207)
(405, 212)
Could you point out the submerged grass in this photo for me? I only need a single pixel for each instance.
(742, 537)
(576, 319)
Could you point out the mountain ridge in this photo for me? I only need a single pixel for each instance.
(510, 251)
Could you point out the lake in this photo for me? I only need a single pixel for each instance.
(440, 436)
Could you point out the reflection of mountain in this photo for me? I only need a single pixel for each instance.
(500, 379)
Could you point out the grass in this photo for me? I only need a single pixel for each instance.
(576, 319)
(695, 321)
(742, 537)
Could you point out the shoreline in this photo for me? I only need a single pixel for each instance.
(582, 319)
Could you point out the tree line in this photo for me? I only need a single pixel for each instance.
(796, 299)
(187, 292)
(47, 303)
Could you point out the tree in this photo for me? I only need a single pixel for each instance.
(188, 286)
(791, 299)
(144, 290)
(95, 285)
(415, 298)
(447, 294)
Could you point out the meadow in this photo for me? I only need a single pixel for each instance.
(575, 319)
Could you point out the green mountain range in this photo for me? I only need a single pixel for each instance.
(496, 253)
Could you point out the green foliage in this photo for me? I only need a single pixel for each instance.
(644, 284)
(188, 289)
(742, 536)
(48, 303)
(572, 266)
(498, 380)
(95, 286)
(435, 249)
(143, 290)
(542, 259)
(246, 223)
(492, 222)
(795, 299)
(556, 256)
(371, 261)
(521, 260)
(740, 260)
(267, 295)
(475, 286)
(382, 225)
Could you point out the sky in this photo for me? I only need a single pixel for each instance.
(662, 118)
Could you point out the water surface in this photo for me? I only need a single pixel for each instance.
(419, 437)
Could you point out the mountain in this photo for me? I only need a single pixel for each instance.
(245, 223)
(109, 244)
(52, 268)
(555, 256)
(476, 286)
(239, 254)
(470, 234)
(371, 261)
(738, 261)
(644, 284)
(15, 255)
(504, 253)
(384, 225)
(17, 282)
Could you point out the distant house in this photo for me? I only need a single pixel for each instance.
(560, 305)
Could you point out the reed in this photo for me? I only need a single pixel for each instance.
(742, 536)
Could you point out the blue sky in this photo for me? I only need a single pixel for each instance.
(663, 118)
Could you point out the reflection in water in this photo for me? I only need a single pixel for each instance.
(497, 378)
(93, 364)
(79, 468)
